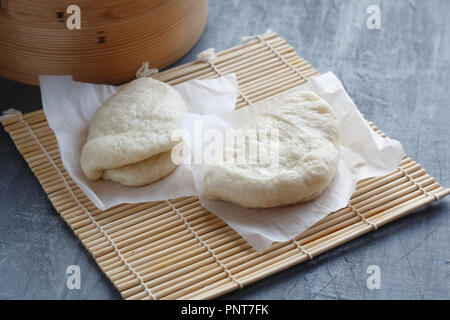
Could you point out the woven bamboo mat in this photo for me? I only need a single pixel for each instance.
(176, 249)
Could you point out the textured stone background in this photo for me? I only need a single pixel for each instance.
(398, 76)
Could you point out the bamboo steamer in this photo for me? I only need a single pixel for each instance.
(115, 38)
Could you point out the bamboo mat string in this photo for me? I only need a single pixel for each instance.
(361, 216)
(99, 227)
(246, 39)
(144, 71)
(225, 269)
(208, 56)
(435, 196)
(302, 250)
(10, 113)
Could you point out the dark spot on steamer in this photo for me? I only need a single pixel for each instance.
(4, 4)
(60, 16)
(101, 39)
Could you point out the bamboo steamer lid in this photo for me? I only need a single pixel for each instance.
(115, 38)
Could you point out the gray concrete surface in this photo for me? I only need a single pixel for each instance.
(399, 76)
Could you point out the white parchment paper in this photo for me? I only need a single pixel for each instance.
(69, 106)
(364, 154)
